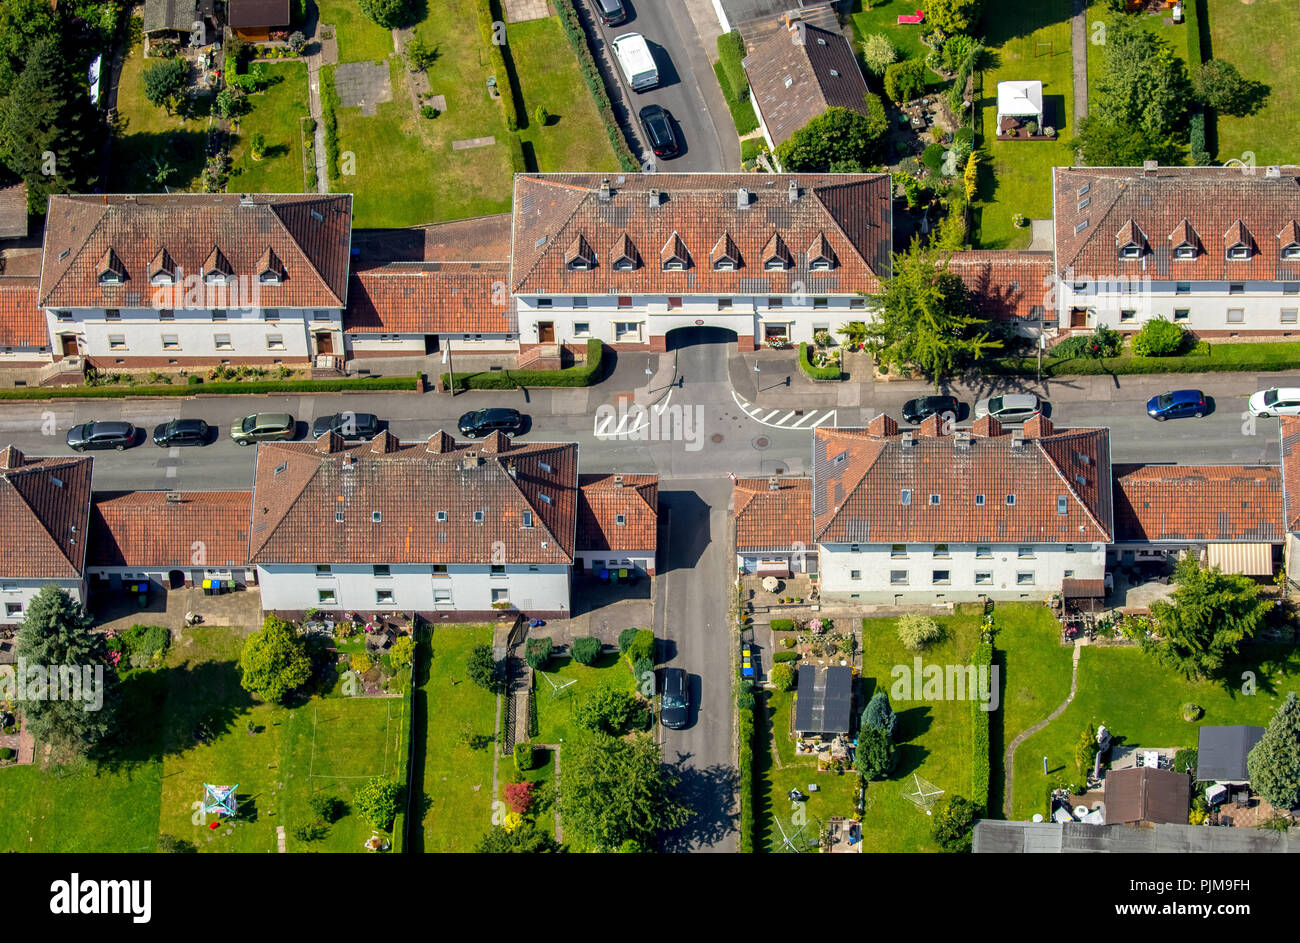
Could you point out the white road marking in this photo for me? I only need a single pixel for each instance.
(790, 420)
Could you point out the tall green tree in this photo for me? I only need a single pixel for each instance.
(1106, 142)
(836, 135)
(1144, 83)
(274, 662)
(22, 24)
(1220, 86)
(879, 714)
(926, 319)
(617, 790)
(164, 81)
(952, 16)
(1209, 614)
(875, 755)
(1274, 762)
(56, 633)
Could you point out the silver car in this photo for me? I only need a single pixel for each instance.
(1010, 407)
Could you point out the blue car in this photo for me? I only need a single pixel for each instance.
(1177, 404)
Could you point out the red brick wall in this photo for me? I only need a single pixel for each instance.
(745, 342)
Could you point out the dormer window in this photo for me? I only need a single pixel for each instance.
(1131, 241)
(623, 256)
(580, 256)
(1185, 242)
(216, 268)
(162, 269)
(111, 271)
(1292, 252)
(1239, 252)
(725, 256)
(1290, 239)
(270, 270)
(1238, 242)
(776, 257)
(1184, 251)
(1130, 251)
(821, 258)
(673, 257)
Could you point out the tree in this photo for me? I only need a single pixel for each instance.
(970, 176)
(954, 822)
(905, 80)
(1086, 749)
(481, 667)
(1274, 762)
(22, 24)
(164, 81)
(879, 714)
(419, 54)
(1107, 143)
(274, 661)
(952, 16)
(378, 800)
(1220, 86)
(616, 790)
(1144, 83)
(50, 133)
(403, 652)
(782, 676)
(605, 708)
(586, 650)
(56, 633)
(231, 102)
(878, 53)
(524, 839)
(1206, 618)
(390, 14)
(838, 134)
(875, 756)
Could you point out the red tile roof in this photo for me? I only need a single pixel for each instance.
(852, 211)
(601, 499)
(301, 486)
(45, 516)
(22, 323)
(770, 518)
(13, 211)
(309, 234)
(482, 239)
(1093, 205)
(161, 529)
(1006, 285)
(1239, 503)
(1289, 433)
(859, 478)
(431, 298)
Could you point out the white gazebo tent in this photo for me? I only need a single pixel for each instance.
(1020, 101)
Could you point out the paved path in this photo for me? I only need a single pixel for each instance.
(1008, 762)
(1079, 52)
(321, 52)
(279, 839)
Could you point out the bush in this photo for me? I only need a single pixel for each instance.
(782, 625)
(964, 136)
(932, 157)
(419, 56)
(481, 667)
(1192, 712)
(378, 800)
(308, 832)
(953, 823)
(586, 650)
(147, 640)
(541, 115)
(361, 663)
(519, 797)
(878, 53)
(324, 806)
(746, 765)
(641, 646)
(1185, 760)
(402, 652)
(905, 80)
(917, 631)
(583, 375)
(981, 757)
(1200, 151)
(875, 756)
(525, 757)
(1159, 338)
(828, 372)
(781, 657)
(782, 676)
(487, 16)
(731, 50)
(642, 668)
(538, 652)
(390, 14)
(625, 640)
(6, 754)
(329, 105)
(879, 715)
(1104, 342)
(606, 708)
(428, 111)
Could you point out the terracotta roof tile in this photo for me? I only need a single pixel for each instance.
(1005, 285)
(482, 239)
(22, 322)
(601, 500)
(770, 518)
(1238, 503)
(13, 211)
(45, 516)
(431, 298)
(1289, 433)
(155, 529)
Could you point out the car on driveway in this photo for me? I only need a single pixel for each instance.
(657, 124)
(181, 432)
(101, 435)
(1283, 401)
(1010, 407)
(916, 411)
(481, 422)
(611, 12)
(1176, 404)
(263, 427)
(349, 425)
(674, 706)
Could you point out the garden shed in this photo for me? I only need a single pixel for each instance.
(825, 702)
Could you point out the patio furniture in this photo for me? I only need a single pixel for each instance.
(913, 20)
(770, 583)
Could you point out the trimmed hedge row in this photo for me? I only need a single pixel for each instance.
(981, 760)
(487, 16)
(329, 97)
(731, 50)
(746, 763)
(595, 84)
(184, 389)
(780, 657)
(1082, 366)
(583, 375)
(742, 113)
(518, 164)
(782, 625)
(816, 373)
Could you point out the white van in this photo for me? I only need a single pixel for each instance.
(636, 61)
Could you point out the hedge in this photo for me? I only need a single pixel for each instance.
(583, 375)
(746, 763)
(831, 372)
(782, 625)
(742, 113)
(518, 163)
(731, 50)
(487, 15)
(780, 657)
(983, 658)
(595, 84)
(329, 102)
(1220, 358)
(215, 388)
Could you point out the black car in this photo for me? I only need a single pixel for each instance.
(101, 435)
(181, 432)
(348, 425)
(509, 422)
(657, 123)
(612, 12)
(674, 707)
(916, 411)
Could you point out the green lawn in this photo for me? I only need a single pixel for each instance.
(147, 133)
(883, 18)
(1259, 39)
(275, 115)
(554, 710)
(1018, 178)
(360, 38)
(1178, 37)
(1140, 701)
(457, 779)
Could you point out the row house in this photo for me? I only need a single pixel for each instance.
(196, 279)
(24, 339)
(1215, 249)
(628, 259)
(618, 521)
(774, 526)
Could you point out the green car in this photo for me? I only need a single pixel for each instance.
(263, 427)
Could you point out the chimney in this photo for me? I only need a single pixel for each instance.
(618, 481)
(774, 484)
(793, 191)
(605, 193)
(245, 199)
(961, 440)
(742, 199)
(174, 497)
(510, 467)
(1272, 170)
(11, 457)
(1149, 167)
(472, 460)
(653, 198)
(1018, 439)
(907, 440)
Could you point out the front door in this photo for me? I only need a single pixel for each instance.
(68, 344)
(546, 332)
(1078, 317)
(324, 342)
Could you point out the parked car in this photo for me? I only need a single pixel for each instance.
(263, 427)
(1175, 404)
(101, 435)
(349, 425)
(674, 707)
(1010, 407)
(181, 432)
(916, 411)
(510, 422)
(1275, 402)
(611, 12)
(657, 124)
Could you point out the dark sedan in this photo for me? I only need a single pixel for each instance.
(181, 432)
(1176, 404)
(916, 411)
(657, 123)
(612, 12)
(509, 422)
(101, 435)
(348, 425)
(674, 708)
